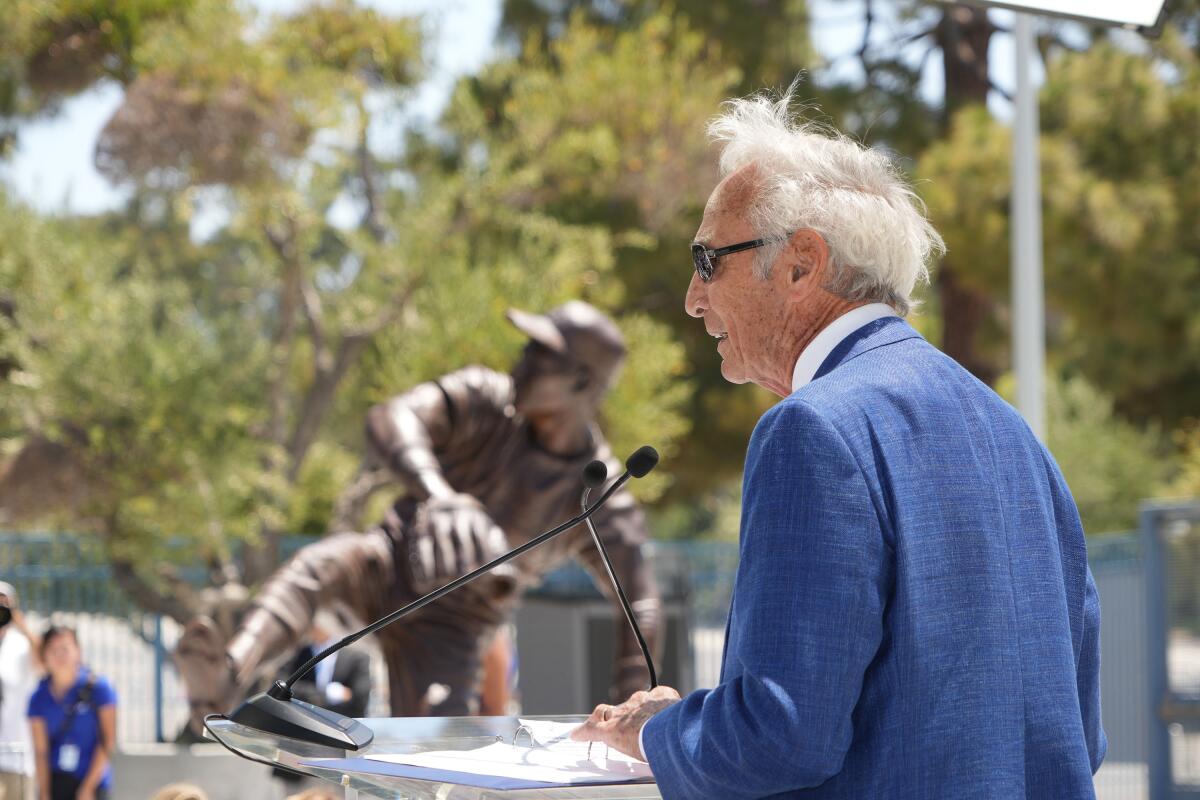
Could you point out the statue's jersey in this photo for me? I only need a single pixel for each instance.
(485, 449)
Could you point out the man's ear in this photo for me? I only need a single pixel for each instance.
(805, 260)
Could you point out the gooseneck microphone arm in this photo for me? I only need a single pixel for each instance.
(436, 594)
(276, 713)
(594, 476)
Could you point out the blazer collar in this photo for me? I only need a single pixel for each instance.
(879, 333)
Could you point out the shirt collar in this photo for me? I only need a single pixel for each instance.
(831, 336)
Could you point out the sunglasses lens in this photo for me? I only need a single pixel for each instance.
(702, 262)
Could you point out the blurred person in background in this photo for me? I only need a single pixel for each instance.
(180, 791)
(20, 665)
(73, 718)
(341, 682)
(315, 794)
(499, 675)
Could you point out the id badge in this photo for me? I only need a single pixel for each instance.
(68, 758)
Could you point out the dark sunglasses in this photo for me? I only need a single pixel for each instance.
(703, 257)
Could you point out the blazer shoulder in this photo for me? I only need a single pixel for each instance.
(793, 420)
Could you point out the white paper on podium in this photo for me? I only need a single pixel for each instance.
(553, 758)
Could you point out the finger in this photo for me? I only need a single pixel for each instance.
(587, 732)
(464, 539)
(602, 713)
(470, 555)
(446, 562)
(497, 543)
(663, 693)
(425, 556)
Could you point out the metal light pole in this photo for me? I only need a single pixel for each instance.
(1028, 303)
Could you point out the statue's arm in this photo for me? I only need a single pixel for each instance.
(405, 432)
(623, 531)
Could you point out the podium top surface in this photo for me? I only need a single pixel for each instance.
(410, 735)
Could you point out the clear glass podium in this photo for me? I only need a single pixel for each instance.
(410, 735)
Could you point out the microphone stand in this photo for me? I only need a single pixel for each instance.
(612, 577)
(276, 711)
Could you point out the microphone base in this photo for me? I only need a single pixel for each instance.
(296, 719)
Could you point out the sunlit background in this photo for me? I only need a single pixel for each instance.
(227, 228)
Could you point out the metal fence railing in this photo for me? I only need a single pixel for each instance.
(1149, 586)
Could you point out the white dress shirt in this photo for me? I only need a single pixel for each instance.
(810, 360)
(323, 671)
(833, 334)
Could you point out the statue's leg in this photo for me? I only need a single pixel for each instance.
(350, 569)
(435, 660)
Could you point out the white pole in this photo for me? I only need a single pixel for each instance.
(1028, 311)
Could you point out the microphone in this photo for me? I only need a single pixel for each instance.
(276, 711)
(594, 475)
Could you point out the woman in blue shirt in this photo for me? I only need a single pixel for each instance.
(73, 716)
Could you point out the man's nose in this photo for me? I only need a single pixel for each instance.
(695, 302)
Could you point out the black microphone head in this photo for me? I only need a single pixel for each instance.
(642, 461)
(595, 474)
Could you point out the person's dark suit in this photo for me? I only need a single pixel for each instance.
(352, 669)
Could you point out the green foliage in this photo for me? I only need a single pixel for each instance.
(111, 361)
(604, 126)
(768, 40)
(50, 49)
(1187, 482)
(1109, 464)
(214, 390)
(1120, 193)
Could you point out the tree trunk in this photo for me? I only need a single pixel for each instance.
(963, 35)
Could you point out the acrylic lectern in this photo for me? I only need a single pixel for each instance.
(409, 735)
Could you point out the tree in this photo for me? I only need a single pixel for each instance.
(224, 411)
(1122, 256)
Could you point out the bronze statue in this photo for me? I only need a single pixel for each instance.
(488, 462)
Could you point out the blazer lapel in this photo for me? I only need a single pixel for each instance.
(878, 333)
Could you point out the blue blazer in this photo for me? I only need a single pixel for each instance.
(913, 615)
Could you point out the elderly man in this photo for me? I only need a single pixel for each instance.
(913, 614)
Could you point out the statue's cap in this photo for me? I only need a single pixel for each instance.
(577, 330)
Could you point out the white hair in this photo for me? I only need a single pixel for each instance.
(855, 197)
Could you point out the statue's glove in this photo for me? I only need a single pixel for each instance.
(451, 536)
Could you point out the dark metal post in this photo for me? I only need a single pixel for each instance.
(1158, 742)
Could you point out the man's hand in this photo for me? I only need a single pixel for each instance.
(453, 535)
(619, 726)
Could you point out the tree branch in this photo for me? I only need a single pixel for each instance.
(310, 304)
(864, 48)
(366, 171)
(283, 340)
(350, 504)
(1000, 90)
(391, 311)
(319, 396)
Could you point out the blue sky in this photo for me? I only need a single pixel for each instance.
(52, 169)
